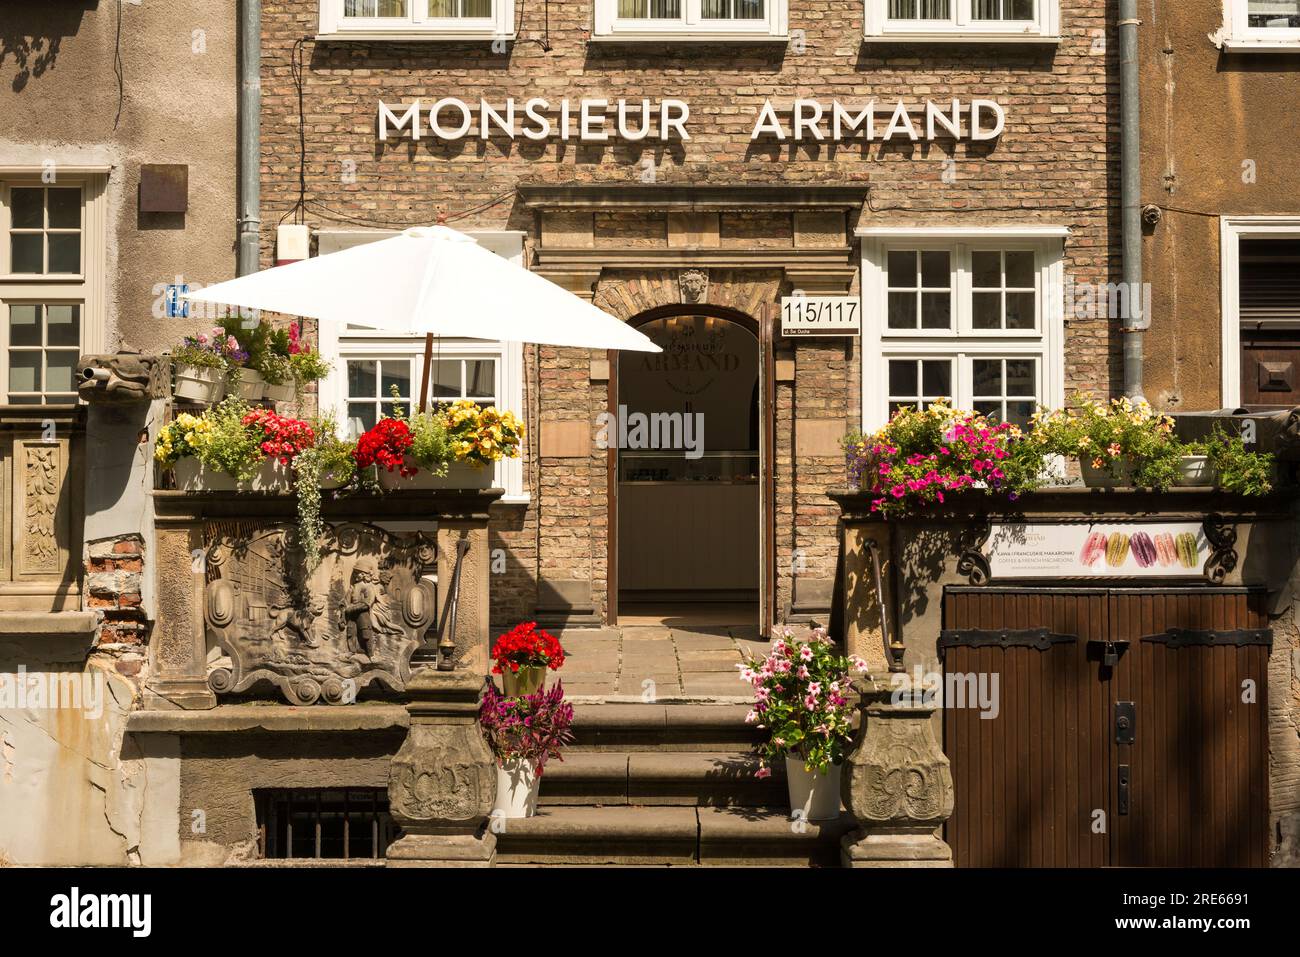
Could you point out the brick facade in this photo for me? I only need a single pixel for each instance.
(1055, 164)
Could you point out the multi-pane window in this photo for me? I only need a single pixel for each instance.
(920, 289)
(52, 251)
(370, 391)
(429, 19)
(371, 381)
(1003, 289)
(1005, 389)
(918, 382)
(45, 230)
(740, 19)
(976, 19)
(1273, 14)
(44, 344)
(971, 319)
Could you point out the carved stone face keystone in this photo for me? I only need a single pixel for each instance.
(694, 285)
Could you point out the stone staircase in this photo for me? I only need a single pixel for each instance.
(664, 784)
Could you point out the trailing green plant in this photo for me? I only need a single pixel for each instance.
(1237, 469)
(330, 457)
(1112, 436)
(430, 444)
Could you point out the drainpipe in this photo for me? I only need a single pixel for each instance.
(1131, 196)
(250, 135)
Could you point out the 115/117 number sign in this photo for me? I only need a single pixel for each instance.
(821, 316)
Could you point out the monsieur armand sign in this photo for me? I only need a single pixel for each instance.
(601, 120)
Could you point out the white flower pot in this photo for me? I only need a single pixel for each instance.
(201, 386)
(278, 393)
(250, 385)
(1195, 471)
(813, 796)
(517, 786)
(193, 476)
(459, 475)
(1111, 475)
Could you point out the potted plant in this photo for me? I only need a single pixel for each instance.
(326, 465)
(276, 366)
(523, 733)
(800, 700)
(924, 456)
(383, 448)
(479, 438)
(1123, 443)
(221, 450)
(1236, 468)
(305, 363)
(522, 656)
(201, 364)
(245, 374)
(428, 459)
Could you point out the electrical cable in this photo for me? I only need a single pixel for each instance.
(296, 71)
(117, 66)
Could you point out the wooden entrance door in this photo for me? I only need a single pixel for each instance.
(1130, 728)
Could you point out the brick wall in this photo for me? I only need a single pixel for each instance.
(114, 569)
(1056, 164)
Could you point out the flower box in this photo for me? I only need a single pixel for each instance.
(459, 475)
(1113, 475)
(250, 385)
(1196, 471)
(199, 385)
(193, 476)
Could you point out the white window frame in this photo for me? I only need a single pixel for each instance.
(1232, 230)
(963, 28)
(509, 356)
(1238, 35)
(334, 25)
(691, 26)
(87, 288)
(963, 342)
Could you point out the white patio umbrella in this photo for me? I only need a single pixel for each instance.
(432, 280)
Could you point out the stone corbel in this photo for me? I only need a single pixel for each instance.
(577, 280)
(822, 279)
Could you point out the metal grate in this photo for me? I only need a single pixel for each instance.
(319, 824)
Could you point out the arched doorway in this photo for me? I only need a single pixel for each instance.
(686, 483)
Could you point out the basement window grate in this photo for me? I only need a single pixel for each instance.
(348, 824)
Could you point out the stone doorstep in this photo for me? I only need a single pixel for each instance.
(654, 778)
(631, 724)
(669, 835)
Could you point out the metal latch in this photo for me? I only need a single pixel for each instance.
(1125, 722)
(1123, 789)
(1111, 649)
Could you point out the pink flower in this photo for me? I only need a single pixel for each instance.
(764, 772)
(751, 717)
(806, 653)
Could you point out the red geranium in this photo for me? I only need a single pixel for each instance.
(385, 445)
(280, 437)
(526, 645)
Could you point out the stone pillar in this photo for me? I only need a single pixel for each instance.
(473, 635)
(178, 650)
(897, 782)
(443, 779)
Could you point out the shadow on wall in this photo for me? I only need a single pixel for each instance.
(32, 33)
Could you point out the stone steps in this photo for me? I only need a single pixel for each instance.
(668, 836)
(664, 785)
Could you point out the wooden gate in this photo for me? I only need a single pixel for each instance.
(1130, 727)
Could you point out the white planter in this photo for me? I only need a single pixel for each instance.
(1195, 471)
(250, 386)
(517, 786)
(193, 476)
(1114, 475)
(813, 797)
(459, 475)
(199, 385)
(278, 393)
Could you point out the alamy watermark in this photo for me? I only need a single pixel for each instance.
(652, 430)
(978, 690)
(53, 691)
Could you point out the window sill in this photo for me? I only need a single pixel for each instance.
(1036, 39)
(671, 37)
(371, 36)
(1261, 46)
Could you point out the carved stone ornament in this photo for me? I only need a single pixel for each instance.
(355, 620)
(694, 285)
(125, 376)
(897, 780)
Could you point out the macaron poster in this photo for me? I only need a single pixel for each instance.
(1103, 550)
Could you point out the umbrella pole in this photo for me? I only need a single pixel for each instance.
(428, 364)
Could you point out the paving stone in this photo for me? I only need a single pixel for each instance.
(646, 633)
(592, 662)
(665, 684)
(712, 683)
(703, 642)
(714, 664)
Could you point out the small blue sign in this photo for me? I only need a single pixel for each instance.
(177, 308)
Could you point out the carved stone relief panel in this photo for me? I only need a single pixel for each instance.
(355, 620)
(40, 514)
